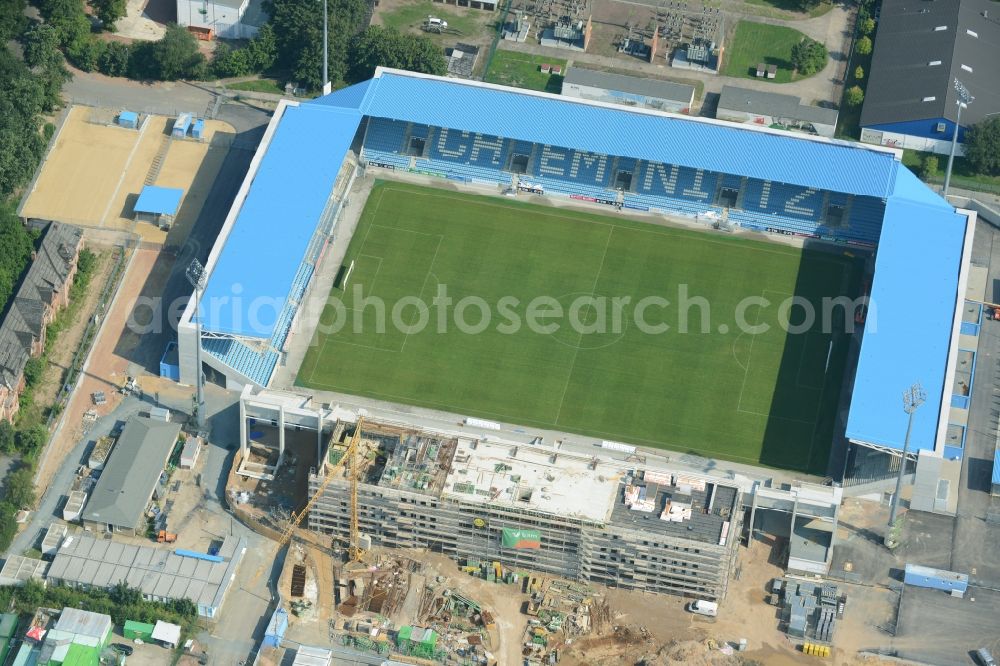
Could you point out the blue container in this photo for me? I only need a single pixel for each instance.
(937, 579)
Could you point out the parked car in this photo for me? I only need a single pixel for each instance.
(122, 648)
(984, 657)
(709, 608)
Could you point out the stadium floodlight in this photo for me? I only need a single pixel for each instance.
(913, 397)
(964, 99)
(326, 52)
(195, 274)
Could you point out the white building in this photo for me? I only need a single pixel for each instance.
(229, 19)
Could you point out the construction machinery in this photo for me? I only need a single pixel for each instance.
(356, 552)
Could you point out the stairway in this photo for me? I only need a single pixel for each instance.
(161, 156)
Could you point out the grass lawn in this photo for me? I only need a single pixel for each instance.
(794, 6)
(962, 174)
(521, 70)
(759, 42)
(768, 398)
(258, 85)
(409, 18)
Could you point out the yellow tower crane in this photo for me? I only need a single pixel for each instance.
(355, 551)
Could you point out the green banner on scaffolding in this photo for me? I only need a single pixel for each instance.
(517, 538)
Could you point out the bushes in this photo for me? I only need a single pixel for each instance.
(114, 59)
(387, 47)
(808, 56)
(864, 46)
(855, 96)
(257, 56)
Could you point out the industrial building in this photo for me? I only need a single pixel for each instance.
(228, 19)
(78, 638)
(910, 100)
(756, 107)
(536, 507)
(160, 574)
(17, 570)
(119, 500)
(628, 90)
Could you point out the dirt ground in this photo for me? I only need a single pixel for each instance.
(95, 171)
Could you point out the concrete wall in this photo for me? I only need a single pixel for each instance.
(626, 99)
(766, 121)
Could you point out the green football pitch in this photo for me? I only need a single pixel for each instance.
(607, 368)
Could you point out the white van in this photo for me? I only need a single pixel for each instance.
(709, 608)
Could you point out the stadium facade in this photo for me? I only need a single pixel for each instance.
(641, 160)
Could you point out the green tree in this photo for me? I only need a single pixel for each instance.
(808, 56)
(929, 167)
(982, 146)
(19, 488)
(177, 55)
(855, 96)
(109, 11)
(7, 435)
(31, 441)
(113, 61)
(387, 47)
(864, 46)
(12, 18)
(298, 37)
(41, 45)
(867, 25)
(15, 242)
(85, 53)
(263, 49)
(859, 72)
(8, 528)
(229, 62)
(68, 18)
(33, 370)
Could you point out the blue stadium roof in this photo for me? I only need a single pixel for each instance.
(269, 238)
(158, 200)
(572, 123)
(907, 337)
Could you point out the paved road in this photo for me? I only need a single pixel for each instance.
(975, 542)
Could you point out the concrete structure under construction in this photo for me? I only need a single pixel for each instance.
(535, 507)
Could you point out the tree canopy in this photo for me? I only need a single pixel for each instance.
(387, 47)
(109, 11)
(982, 146)
(808, 56)
(298, 34)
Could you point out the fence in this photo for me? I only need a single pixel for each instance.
(496, 38)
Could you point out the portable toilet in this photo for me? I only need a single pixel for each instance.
(198, 129)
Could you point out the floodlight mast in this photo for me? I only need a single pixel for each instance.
(195, 274)
(913, 397)
(965, 98)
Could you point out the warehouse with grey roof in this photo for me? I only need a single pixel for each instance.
(919, 51)
(160, 574)
(768, 109)
(628, 90)
(119, 500)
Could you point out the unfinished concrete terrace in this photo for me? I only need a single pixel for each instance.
(677, 505)
(398, 458)
(532, 479)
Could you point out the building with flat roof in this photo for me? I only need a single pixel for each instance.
(228, 19)
(536, 507)
(119, 500)
(17, 570)
(758, 107)
(159, 573)
(628, 90)
(919, 50)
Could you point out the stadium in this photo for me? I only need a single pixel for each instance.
(601, 201)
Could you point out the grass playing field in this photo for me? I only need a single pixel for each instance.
(716, 390)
